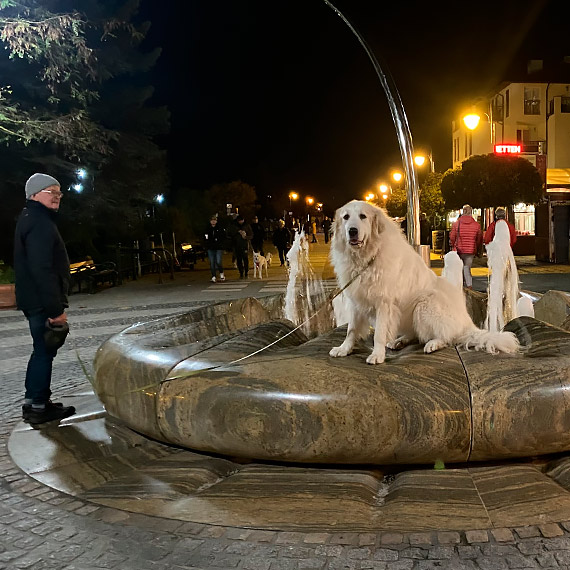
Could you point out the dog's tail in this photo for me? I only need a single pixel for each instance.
(487, 341)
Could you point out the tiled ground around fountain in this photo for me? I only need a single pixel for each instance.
(95, 458)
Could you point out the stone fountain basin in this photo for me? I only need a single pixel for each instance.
(175, 380)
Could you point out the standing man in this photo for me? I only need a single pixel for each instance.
(326, 228)
(258, 235)
(466, 237)
(215, 238)
(282, 241)
(241, 235)
(500, 214)
(42, 281)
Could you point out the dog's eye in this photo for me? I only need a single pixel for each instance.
(346, 217)
(362, 216)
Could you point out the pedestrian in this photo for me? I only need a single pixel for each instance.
(500, 214)
(425, 230)
(314, 231)
(326, 228)
(241, 235)
(258, 234)
(215, 237)
(282, 241)
(466, 237)
(41, 265)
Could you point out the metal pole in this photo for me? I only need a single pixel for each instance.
(402, 131)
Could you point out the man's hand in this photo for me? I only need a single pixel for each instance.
(58, 321)
(242, 233)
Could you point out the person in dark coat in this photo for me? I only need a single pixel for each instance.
(326, 228)
(241, 235)
(282, 241)
(258, 235)
(41, 266)
(215, 237)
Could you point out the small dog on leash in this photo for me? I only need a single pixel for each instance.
(259, 262)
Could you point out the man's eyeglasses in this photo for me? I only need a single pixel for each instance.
(53, 193)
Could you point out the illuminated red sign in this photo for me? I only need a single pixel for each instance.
(507, 149)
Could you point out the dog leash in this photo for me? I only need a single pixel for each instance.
(188, 374)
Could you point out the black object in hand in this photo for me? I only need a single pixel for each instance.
(55, 335)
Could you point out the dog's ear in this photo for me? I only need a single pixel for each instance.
(377, 221)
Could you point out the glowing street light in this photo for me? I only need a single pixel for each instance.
(419, 159)
(310, 200)
(397, 176)
(292, 196)
(159, 198)
(78, 188)
(471, 121)
(81, 173)
(370, 197)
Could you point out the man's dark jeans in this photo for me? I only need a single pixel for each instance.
(38, 374)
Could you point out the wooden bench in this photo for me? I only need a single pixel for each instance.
(92, 274)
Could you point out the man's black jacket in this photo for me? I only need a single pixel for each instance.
(41, 263)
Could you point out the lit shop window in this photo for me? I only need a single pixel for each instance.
(524, 219)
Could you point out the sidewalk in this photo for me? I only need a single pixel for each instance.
(43, 528)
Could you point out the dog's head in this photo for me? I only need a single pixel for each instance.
(357, 225)
(255, 257)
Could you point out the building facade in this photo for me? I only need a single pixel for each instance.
(533, 120)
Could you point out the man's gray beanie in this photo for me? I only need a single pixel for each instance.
(37, 182)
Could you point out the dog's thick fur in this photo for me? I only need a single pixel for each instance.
(259, 262)
(268, 258)
(397, 293)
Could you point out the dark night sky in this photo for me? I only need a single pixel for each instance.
(282, 96)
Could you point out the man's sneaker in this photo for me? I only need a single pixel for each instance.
(213, 279)
(222, 277)
(27, 408)
(49, 414)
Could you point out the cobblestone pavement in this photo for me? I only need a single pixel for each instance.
(44, 529)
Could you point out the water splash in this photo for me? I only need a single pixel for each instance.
(503, 289)
(305, 293)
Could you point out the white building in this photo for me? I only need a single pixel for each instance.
(534, 116)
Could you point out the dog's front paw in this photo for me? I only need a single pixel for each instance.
(376, 358)
(433, 345)
(339, 351)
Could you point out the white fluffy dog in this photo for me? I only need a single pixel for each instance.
(268, 257)
(259, 262)
(395, 291)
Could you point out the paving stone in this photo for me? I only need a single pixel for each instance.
(448, 537)
(262, 536)
(385, 554)
(213, 532)
(237, 533)
(413, 552)
(400, 565)
(340, 564)
(373, 565)
(474, 536)
(332, 550)
(311, 563)
(344, 538)
(492, 563)
(255, 564)
(502, 534)
(359, 553)
(547, 560)
(283, 564)
(367, 539)
(527, 531)
(317, 538)
(563, 557)
(441, 552)
(420, 538)
(468, 551)
(391, 538)
(289, 538)
(550, 530)
(296, 552)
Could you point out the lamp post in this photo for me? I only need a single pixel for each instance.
(421, 158)
(471, 121)
(292, 196)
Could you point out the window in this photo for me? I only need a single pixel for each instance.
(498, 108)
(507, 103)
(565, 104)
(532, 101)
(524, 219)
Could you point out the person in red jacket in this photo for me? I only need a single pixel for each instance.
(500, 214)
(466, 237)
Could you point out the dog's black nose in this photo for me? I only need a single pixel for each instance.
(352, 232)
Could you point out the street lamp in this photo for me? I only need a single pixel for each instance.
(159, 198)
(292, 196)
(78, 188)
(81, 173)
(471, 121)
(420, 160)
(370, 197)
(397, 176)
